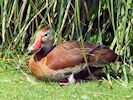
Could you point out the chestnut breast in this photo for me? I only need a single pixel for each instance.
(36, 67)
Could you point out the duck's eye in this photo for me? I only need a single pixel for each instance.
(46, 34)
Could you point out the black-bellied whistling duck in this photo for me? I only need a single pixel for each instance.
(62, 61)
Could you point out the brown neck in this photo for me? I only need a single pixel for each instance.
(43, 52)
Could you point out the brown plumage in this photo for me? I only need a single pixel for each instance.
(61, 61)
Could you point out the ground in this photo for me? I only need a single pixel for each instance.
(16, 85)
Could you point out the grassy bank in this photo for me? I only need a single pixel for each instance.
(15, 85)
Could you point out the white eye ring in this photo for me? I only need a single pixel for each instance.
(44, 38)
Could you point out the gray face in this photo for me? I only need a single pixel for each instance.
(48, 36)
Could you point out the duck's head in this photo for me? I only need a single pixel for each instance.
(44, 37)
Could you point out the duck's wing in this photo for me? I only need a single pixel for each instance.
(70, 54)
(101, 56)
(65, 55)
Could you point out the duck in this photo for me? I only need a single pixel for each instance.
(58, 62)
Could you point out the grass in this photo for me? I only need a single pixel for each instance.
(15, 85)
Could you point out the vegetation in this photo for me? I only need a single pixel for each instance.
(109, 23)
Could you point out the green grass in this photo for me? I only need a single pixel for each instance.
(15, 85)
